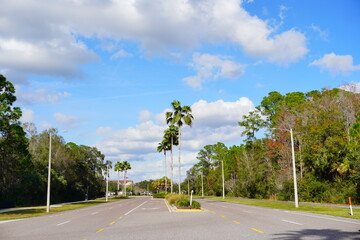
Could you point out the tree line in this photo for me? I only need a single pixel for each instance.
(326, 129)
(76, 172)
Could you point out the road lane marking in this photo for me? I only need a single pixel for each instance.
(257, 230)
(94, 213)
(222, 216)
(167, 205)
(236, 222)
(246, 211)
(111, 223)
(120, 217)
(291, 222)
(100, 230)
(62, 223)
(135, 208)
(209, 210)
(224, 206)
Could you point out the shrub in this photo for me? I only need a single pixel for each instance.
(159, 195)
(183, 203)
(173, 198)
(195, 204)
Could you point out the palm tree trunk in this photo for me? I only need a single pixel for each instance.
(118, 183)
(179, 162)
(171, 165)
(125, 181)
(165, 171)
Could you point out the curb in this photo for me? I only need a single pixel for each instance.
(173, 208)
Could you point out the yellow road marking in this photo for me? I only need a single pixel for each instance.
(111, 223)
(120, 217)
(209, 210)
(100, 230)
(223, 216)
(236, 222)
(257, 230)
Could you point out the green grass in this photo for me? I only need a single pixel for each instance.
(332, 211)
(41, 210)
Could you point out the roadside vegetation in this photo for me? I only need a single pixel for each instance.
(327, 210)
(182, 201)
(41, 210)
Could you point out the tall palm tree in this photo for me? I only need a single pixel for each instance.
(126, 166)
(118, 168)
(179, 116)
(164, 146)
(171, 134)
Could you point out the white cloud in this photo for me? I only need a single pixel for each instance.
(144, 116)
(53, 47)
(213, 122)
(66, 119)
(39, 95)
(351, 87)
(211, 67)
(28, 115)
(336, 64)
(120, 54)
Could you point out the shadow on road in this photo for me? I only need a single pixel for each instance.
(324, 234)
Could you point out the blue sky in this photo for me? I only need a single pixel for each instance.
(107, 70)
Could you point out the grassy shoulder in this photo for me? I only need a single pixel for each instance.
(41, 210)
(326, 210)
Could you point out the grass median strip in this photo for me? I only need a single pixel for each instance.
(326, 210)
(39, 211)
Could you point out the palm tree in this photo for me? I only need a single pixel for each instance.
(180, 116)
(126, 166)
(164, 146)
(118, 168)
(171, 134)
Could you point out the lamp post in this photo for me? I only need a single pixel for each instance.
(223, 180)
(202, 184)
(293, 165)
(49, 178)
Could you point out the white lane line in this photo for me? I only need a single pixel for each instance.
(135, 208)
(7, 221)
(246, 211)
(223, 206)
(291, 222)
(94, 213)
(59, 224)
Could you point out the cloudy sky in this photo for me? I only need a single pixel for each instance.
(107, 70)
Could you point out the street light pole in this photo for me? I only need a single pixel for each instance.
(107, 181)
(294, 169)
(223, 180)
(296, 199)
(49, 178)
(202, 184)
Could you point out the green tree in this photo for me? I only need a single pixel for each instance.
(252, 123)
(118, 168)
(16, 167)
(126, 166)
(181, 115)
(171, 137)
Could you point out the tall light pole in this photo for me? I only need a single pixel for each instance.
(223, 179)
(202, 184)
(107, 181)
(49, 178)
(293, 165)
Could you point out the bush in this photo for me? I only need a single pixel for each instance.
(183, 203)
(195, 204)
(173, 198)
(159, 195)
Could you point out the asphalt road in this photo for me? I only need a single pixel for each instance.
(151, 219)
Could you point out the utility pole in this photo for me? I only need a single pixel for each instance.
(223, 180)
(49, 177)
(202, 184)
(107, 182)
(294, 169)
